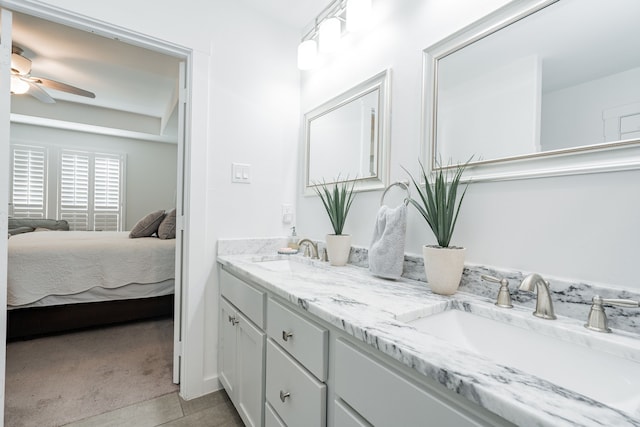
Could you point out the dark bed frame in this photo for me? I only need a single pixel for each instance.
(26, 323)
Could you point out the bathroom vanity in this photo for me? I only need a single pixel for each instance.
(304, 343)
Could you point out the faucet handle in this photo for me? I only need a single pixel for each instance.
(307, 252)
(504, 297)
(324, 257)
(597, 320)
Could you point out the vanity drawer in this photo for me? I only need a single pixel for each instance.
(271, 419)
(305, 404)
(384, 397)
(245, 297)
(303, 339)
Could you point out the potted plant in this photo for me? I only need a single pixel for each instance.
(439, 206)
(337, 202)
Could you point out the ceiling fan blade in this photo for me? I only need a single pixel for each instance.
(39, 93)
(62, 87)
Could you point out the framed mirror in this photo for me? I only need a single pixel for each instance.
(347, 137)
(538, 88)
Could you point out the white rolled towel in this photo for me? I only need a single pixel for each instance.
(386, 253)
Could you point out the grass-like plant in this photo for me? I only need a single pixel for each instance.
(337, 201)
(438, 202)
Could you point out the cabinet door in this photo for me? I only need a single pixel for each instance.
(250, 372)
(385, 398)
(227, 350)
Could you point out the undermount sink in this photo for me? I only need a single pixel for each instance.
(602, 376)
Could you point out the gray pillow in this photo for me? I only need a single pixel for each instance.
(147, 225)
(167, 228)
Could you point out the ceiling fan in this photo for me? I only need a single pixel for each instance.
(23, 82)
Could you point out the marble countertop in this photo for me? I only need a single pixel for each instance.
(375, 311)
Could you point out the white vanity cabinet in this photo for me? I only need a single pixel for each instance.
(284, 367)
(242, 347)
(297, 352)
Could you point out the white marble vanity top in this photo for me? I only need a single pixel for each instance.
(376, 311)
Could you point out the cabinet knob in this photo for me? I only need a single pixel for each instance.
(286, 335)
(283, 395)
(233, 320)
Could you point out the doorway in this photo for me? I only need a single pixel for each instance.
(181, 192)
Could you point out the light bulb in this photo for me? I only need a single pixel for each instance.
(18, 86)
(307, 54)
(329, 35)
(358, 14)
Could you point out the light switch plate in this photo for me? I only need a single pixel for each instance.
(241, 173)
(287, 213)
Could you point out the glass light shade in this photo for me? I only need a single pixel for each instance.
(18, 86)
(307, 54)
(329, 35)
(358, 14)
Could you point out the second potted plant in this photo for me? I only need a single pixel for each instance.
(439, 206)
(337, 202)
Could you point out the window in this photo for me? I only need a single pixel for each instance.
(84, 188)
(28, 181)
(90, 190)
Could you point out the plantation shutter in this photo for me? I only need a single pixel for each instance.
(107, 173)
(74, 189)
(28, 182)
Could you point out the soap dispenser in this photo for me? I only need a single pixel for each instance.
(293, 239)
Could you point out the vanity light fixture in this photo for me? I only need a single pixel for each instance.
(307, 54)
(329, 34)
(358, 14)
(327, 29)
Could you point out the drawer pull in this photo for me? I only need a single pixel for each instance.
(286, 335)
(233, 320)
(283, 395)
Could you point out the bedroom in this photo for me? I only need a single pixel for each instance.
(131, 127)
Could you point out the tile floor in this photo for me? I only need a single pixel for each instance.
(212, 410)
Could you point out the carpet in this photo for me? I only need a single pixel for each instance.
(52, 381)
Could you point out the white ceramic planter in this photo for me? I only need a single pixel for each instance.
(443, 267)
(338, 248)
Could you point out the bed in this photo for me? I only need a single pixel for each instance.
(63, 280)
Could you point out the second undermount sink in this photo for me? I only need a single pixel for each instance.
(601, 376)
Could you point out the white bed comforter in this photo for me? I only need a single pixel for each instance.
(68, 262)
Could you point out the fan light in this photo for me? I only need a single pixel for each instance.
(358, 14)
(307, 54)
(329, 34)
(18, 86)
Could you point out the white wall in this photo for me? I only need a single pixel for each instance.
(579, 227)
(245, 90)
(150, 166)
(573, 116)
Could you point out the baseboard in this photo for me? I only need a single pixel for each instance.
(212, 384)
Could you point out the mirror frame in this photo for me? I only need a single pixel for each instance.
(596, 158)
(381, 82)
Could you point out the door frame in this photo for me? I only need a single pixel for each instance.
(184, 54)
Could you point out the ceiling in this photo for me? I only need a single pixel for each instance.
(123, 77)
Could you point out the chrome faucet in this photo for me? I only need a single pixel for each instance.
(309, 243)
(544, 306)
(597, 320)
